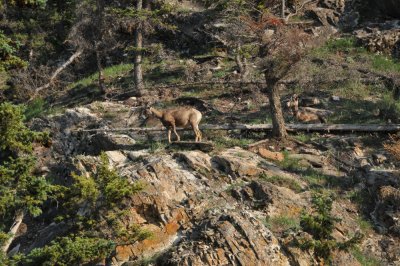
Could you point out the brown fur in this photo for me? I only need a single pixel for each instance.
(301, 115)
(178, 117)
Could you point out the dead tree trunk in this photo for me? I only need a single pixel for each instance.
(278, 122)
(57, 72)
(138, 74)
(19, 216)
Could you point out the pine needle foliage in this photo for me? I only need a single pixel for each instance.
(320, 226)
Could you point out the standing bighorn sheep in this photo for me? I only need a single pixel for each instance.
(178, 117)
(302, 115)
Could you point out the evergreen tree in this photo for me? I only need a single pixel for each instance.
(21, 192)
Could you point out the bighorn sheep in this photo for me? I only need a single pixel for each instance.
(178, 117)
(301, 115)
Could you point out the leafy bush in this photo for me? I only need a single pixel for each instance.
(320, 226)
(70, 251)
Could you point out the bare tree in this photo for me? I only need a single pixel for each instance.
(138, 74)
(282, 52)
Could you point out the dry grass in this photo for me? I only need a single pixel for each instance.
(393, 147)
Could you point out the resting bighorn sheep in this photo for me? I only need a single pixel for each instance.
(301, 115)
(178, 117)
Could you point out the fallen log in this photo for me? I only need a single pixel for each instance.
(329, 128)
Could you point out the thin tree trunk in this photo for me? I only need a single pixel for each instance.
(4, 10)
(241, 62)
(138, 74)
(283, 9)
(99, 14)
(19, 216)
(278, 122)
(100, 69)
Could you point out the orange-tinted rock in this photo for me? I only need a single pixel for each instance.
(270, 155)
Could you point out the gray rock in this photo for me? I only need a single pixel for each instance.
(379, 158)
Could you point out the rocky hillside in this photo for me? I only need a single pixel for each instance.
(232, 206)
(125, 197)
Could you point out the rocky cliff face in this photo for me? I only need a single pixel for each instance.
(217, 208)
(388, 7)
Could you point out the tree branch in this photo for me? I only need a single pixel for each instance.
(19, 216)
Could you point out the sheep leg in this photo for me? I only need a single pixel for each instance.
(179, 138)
(195, 130)
(169, 135)
(198, 133)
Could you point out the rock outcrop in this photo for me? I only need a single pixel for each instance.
(209, 208)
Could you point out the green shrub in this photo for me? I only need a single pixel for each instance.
(290, 164)
(364, 259)
(21, 192)
(85, 189)
(8, 51)
(70, 251)
(112, 184)
(341, 44)
(320, 225)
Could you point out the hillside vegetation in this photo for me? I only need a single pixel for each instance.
(80, 184)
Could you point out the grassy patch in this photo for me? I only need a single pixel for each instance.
(34, 108)
(383, 63)
(282, 223)
(364, 225)
(109, 72)
(389, 108)
(333, 46)
(364, 259)
(222, 140)
(227, 142)
(220, 73)
(155, 146)
(282, 182)
(314, 178)
(318, 180)
(354, 89)
(303, 137)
